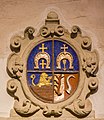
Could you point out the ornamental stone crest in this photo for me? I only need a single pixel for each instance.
(53, 72)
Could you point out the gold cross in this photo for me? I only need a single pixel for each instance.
(64, 48)
(43, 64)
(43, 48)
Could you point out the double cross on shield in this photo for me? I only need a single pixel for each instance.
(53, 71)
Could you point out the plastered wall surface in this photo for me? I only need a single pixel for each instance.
(15, 16)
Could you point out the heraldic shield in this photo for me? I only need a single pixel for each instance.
(53, 71)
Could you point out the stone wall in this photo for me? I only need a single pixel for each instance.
(16, 15)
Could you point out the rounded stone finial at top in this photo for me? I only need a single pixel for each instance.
(52, 15)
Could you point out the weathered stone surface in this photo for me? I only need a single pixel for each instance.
(50, 119)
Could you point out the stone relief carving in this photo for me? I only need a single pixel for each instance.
(77, 102)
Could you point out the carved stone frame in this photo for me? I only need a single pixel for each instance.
(25, 103)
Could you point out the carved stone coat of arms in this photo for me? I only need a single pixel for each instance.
(53, 71)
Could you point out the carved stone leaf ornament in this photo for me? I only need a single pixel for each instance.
(53, 71)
